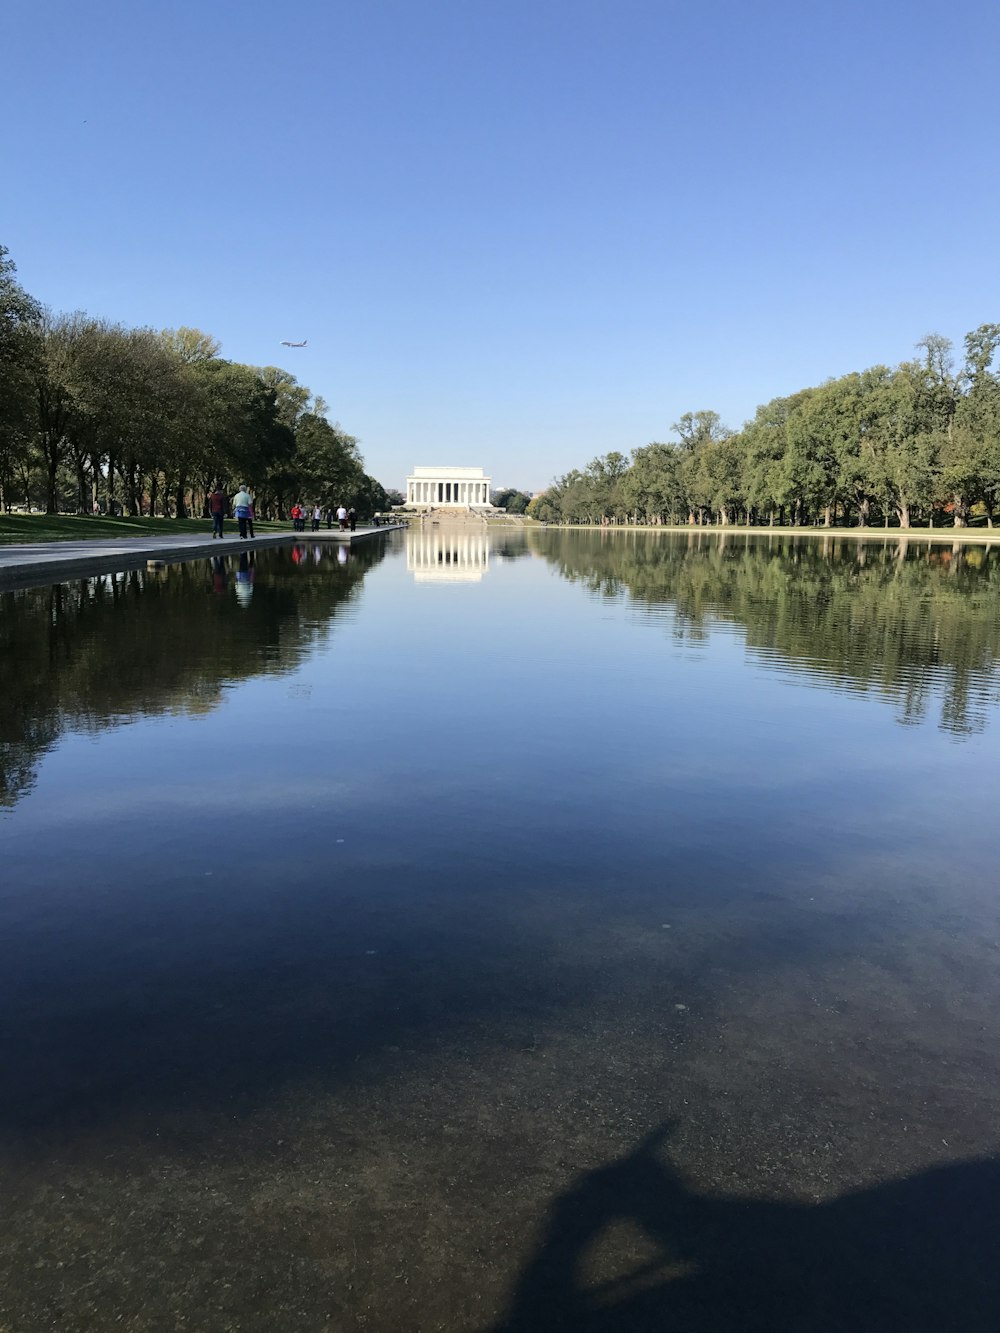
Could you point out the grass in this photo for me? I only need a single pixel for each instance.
(80, 527)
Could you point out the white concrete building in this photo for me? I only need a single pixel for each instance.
(448, 487)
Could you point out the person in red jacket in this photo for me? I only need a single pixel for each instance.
(217, 508)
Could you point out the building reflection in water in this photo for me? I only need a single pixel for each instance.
(440, 555)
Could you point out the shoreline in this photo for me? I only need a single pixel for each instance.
(38, 564)
(949, 536)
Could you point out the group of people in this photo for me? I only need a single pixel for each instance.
(242, 507)
(347, 518)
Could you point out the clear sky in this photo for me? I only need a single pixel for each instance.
(516, 233)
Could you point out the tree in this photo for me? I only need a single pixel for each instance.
(514, 501)
(972, 458)
(327, 461)
(19, 317)
(653, 487)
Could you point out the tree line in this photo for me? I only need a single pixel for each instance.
(915, 444)
(98, 416)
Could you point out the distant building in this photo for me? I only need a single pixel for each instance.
(448, 487)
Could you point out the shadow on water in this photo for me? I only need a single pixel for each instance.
(920, 1254)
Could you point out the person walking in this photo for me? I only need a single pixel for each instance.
(250, 517)
(329, 518)
(342, 517)
(217, 508)
(317, 518)
(296, 516)
(242, 504)
(352, 515)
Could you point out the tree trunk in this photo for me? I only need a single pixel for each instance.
(864, 512)
(827, 515)
(51, 468)
(81, 486)
(903, 510)
(180, 506)
(132, 490)
(961, 511)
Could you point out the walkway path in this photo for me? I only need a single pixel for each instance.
(30, 564)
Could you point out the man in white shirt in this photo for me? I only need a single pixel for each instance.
(241, 508)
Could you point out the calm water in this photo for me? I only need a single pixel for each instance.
(581, 931)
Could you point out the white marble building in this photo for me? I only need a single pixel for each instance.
(448, 487)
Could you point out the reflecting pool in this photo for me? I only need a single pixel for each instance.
(503, 930)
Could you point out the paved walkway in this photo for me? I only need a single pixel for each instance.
(30, 564)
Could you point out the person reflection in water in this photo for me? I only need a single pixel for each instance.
(244, 578)
(218, 574)
(917, 1255)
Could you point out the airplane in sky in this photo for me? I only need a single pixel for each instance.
(286, 343)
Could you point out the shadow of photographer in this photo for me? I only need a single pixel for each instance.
(920, 1254)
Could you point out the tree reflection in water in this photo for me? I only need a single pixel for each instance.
(89, 654)
(906, 619)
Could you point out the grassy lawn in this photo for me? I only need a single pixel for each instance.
(76, 527)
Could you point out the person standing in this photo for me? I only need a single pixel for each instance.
(352, 515)
(242, 504)
(217, 508)
(342, 517)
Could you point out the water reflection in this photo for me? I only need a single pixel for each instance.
(89, 654)
(914, 622)
(447, 555)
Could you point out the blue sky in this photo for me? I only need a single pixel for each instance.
(515, 234)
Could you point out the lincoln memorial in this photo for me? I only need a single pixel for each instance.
(457, 487)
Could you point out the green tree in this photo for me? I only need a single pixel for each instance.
(514, 501)
(19, 316)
